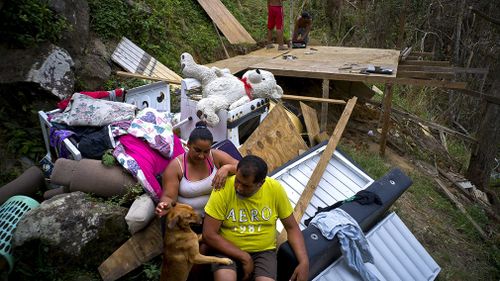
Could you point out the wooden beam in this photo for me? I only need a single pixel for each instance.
(425, 74)
(425, 62)
(422, 54)
(312, 99)
(488, 98)
(368, 78)
(442, 69)
(402, 23)
(324, 105)
(432, 83)
(385, 117)
(145, 77)
(317, 174)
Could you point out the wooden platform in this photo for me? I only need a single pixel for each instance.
(226, 22)
(321, 62)
(342, 64)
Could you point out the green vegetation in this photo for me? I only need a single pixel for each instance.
(26, 23)
(371, 163)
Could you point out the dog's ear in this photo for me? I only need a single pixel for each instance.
(173, 222)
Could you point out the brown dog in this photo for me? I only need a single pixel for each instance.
(180, 244)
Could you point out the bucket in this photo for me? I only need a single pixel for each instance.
(11, 213)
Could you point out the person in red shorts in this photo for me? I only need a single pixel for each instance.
(275, 16)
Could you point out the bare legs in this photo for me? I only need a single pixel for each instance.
(279, 38)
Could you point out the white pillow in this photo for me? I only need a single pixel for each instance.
(140, 213)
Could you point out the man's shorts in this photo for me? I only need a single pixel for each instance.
(265, 264)
(275, 17)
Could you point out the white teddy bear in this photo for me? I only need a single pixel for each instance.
(222, 90)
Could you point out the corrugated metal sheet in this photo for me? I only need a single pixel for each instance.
(340, 181)
(397, 254)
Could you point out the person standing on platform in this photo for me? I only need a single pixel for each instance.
(275, 16)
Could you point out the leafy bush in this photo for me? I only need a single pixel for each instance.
(26, 23)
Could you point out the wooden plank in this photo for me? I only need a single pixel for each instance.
(317, 174)
(140, 248)
(448, 69)
(226, 22)
(313, 99)
(425, 62)
(276, 140)
(386, 117)
(138, 76)
(432, 83)
(425, 74)
(311, 120)
(324, 106)
(422, 54)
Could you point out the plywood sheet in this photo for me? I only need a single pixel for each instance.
(311, 120)
(135, 60)
(334, 63)
(226, 22)
(275, 140)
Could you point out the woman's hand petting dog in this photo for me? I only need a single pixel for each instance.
(161, 208)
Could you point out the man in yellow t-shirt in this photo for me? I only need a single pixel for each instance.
(240, 223)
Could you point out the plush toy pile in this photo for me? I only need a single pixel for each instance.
(222, 90)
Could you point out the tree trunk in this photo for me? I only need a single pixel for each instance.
(482, 158)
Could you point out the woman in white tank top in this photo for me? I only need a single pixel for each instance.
(191, 178)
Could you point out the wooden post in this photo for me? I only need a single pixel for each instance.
(317, 174)
(402, 22)
(386, 118)
(324, 106)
